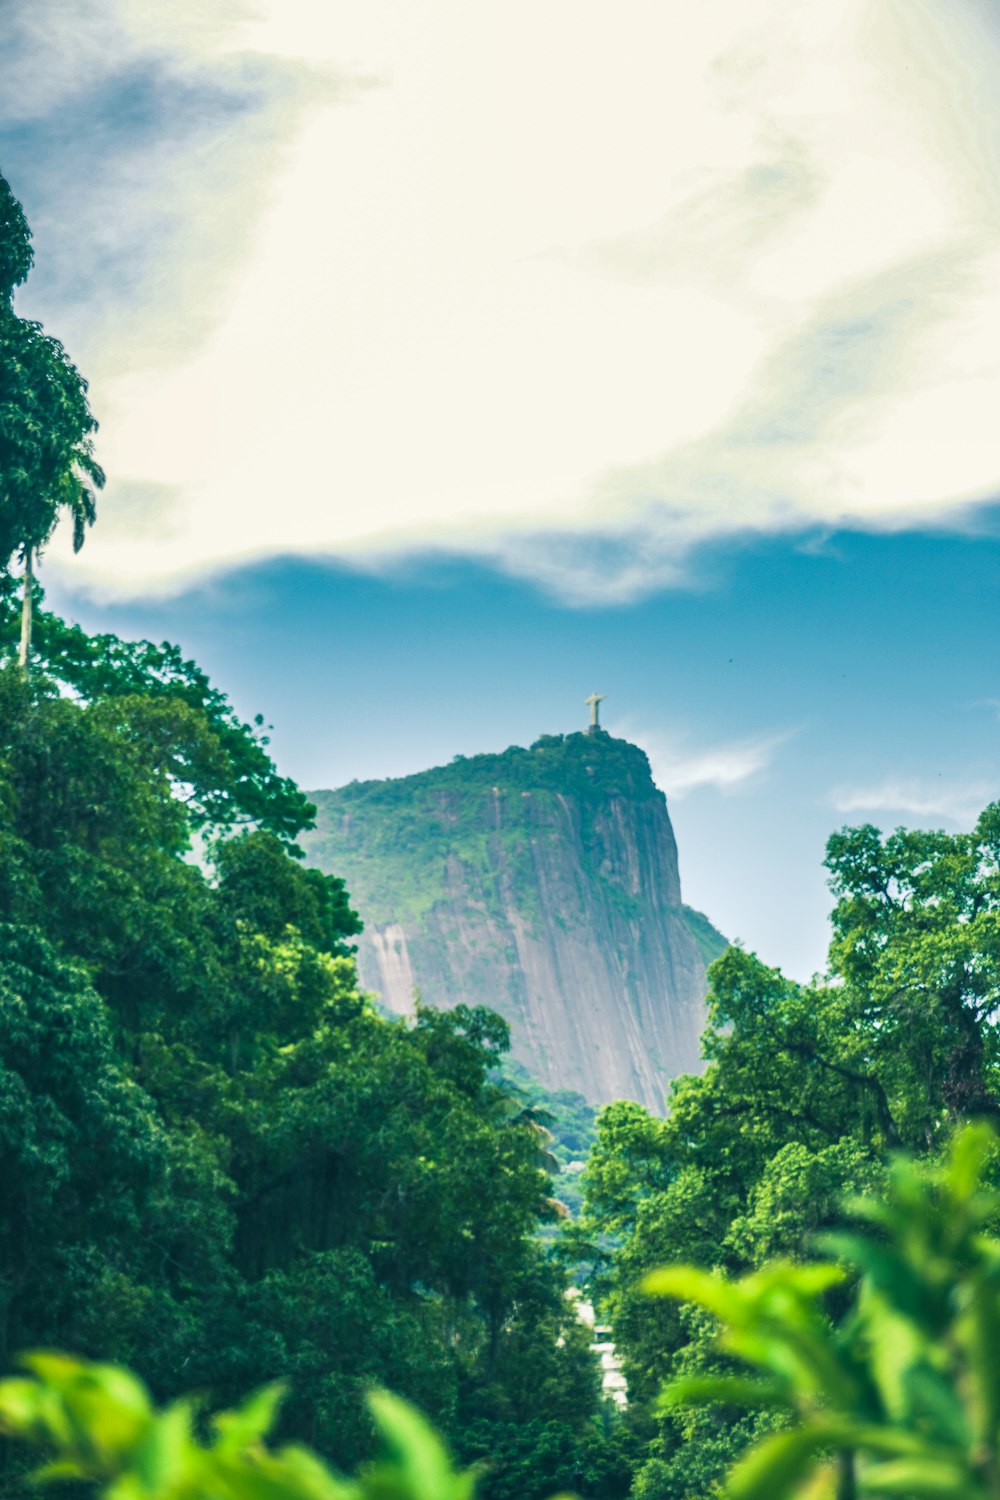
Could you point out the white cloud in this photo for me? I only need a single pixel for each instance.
(575, 289)
(144, 143)
(680, 768)
(959, 803)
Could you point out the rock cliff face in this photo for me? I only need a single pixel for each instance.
(544, 884)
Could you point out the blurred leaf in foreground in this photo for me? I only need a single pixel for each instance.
(96, 1423)
(902, 1398)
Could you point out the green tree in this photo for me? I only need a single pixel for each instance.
(807, 1091)
(47, 463)
(219, 766)
(82, 1157)
(15, 243)
(916, 941)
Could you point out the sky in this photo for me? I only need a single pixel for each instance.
(455, 361)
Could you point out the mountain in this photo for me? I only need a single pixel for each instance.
(544, 884)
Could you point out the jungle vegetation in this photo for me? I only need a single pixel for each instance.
(808, 1094)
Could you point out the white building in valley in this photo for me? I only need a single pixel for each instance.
(612, 1380)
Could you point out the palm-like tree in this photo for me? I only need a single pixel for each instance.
(47, 463)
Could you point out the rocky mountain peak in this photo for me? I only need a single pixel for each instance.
(543, 883)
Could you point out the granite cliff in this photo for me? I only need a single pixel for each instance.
(544, 884)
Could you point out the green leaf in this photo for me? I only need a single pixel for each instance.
(689, 1284)
(914, 1477)
(20, 1404)
(808, 1281)
(247, 1424)
(161, 1456)
(310, 1478)
(773, 1468)
(424, 1462)
(728, 1390)
(58, 1471)
(971, 1150)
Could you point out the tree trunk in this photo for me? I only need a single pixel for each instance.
(26, 606)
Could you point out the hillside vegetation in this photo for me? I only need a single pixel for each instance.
(400, 833)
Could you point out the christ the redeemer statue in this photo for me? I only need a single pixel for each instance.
(592, 702)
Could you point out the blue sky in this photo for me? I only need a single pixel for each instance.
(452, 366)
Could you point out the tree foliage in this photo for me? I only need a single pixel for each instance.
(902, 1395)
(47, 462)
(220, 1163)
(807, 1091)
(219, 766)
(15, 243)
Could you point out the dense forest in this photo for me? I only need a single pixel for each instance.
(221, 1165)
(219, 1162)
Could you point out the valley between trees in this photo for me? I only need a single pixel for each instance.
(222, 1166)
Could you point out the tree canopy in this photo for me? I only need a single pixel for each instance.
(807, 1091)
(228, 1165)
(47, 463)
(15, 243)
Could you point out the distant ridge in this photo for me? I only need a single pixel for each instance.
(540, 882)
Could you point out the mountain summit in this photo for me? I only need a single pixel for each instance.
(544, 884)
